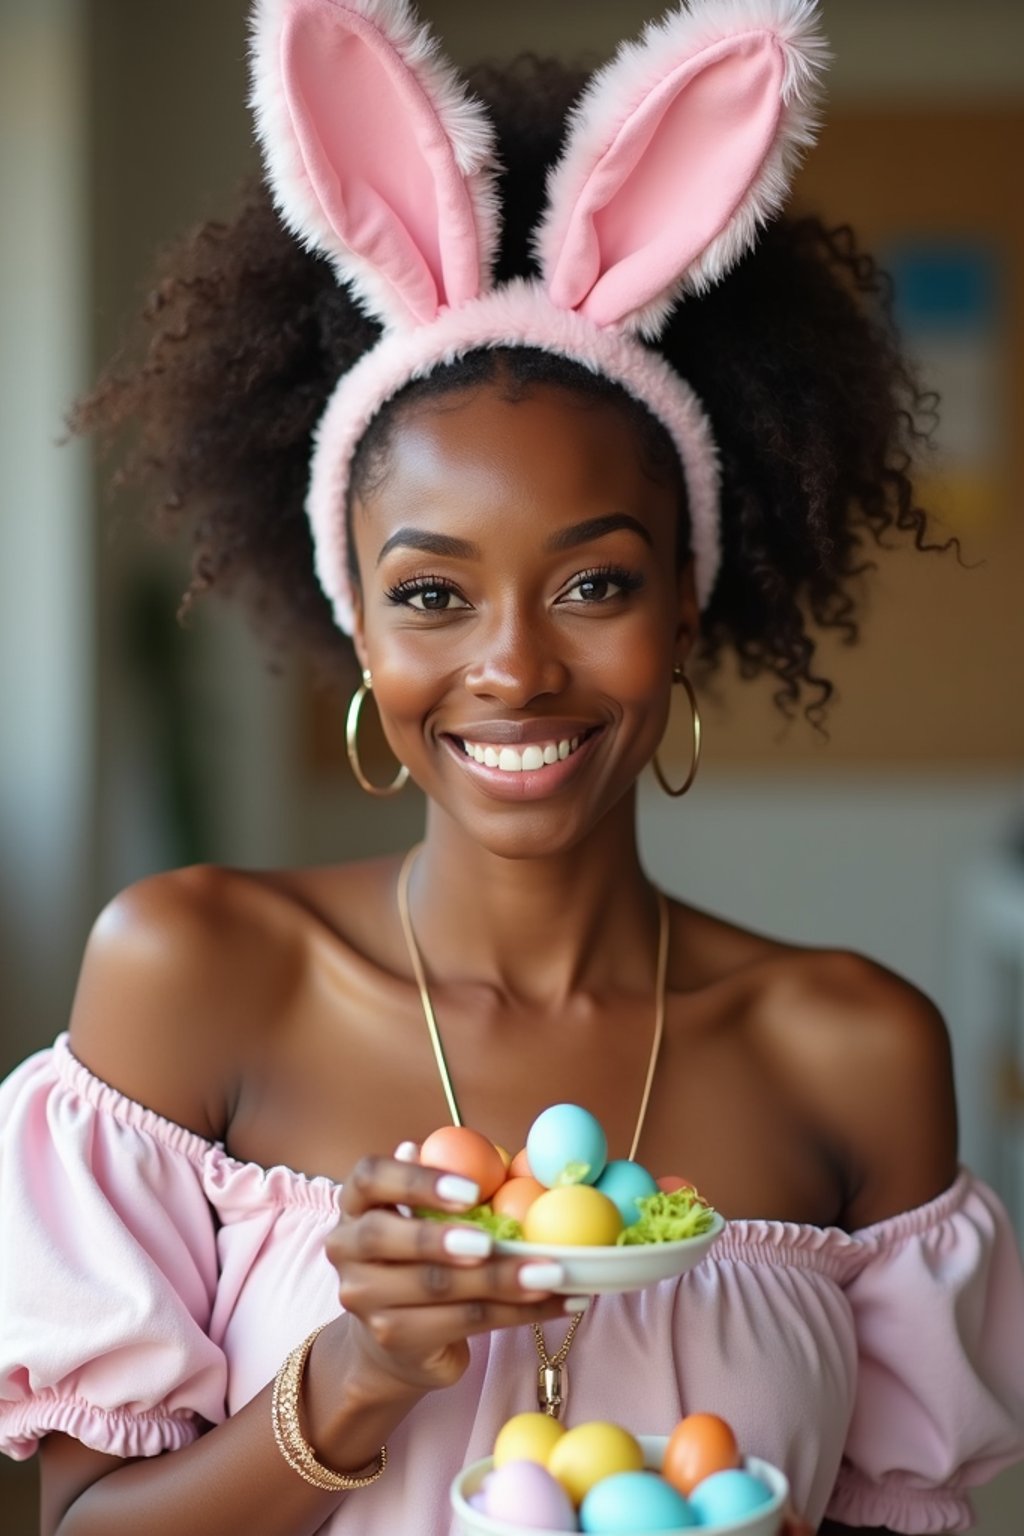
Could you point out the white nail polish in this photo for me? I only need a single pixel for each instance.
(407, 1152)
(467, 1243)
(455, 1190)
(541, 1276)
(576, 1303)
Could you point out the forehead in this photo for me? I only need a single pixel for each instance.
(481, 456)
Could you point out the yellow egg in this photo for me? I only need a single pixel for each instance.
(577, 1215)
(527, 1437)
(586, 1454)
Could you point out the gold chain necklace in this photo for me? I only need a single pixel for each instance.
(552, 1377)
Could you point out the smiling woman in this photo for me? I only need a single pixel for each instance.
(533, 492)
(544, 623)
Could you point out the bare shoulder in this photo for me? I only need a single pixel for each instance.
(869, 1055)
(179, 972)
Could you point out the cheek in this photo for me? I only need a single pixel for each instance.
(407, 677)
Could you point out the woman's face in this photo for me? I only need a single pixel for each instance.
(521, 603)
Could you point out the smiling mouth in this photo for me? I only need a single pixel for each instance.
(525, 759)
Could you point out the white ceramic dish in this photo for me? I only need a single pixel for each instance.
(597, 1271)
(766, 1521)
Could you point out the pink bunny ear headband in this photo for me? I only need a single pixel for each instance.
(377, 156)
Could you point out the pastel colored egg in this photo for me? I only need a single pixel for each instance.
(700, 1444)
(577, 1216)
(566, 1137)
(670, 1182)
(527, 1437)
(725, 1497)
(504, 1154)
(634, 1501)
(515, 1196)
(519, 1167)
(524, 1494)
(586, 1454)
(457, 1149)
(625, 1183)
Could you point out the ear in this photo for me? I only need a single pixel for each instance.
(677, 151)
(376, 154)
(687, 613)
(356, 625)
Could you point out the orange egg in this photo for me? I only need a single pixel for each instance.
(700, 1444)
(670, 1182)
(519, 1168)
(457, 1149)
(515, 1197)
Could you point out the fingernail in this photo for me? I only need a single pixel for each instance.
(576, 1303)
(467, 1243)
(541, 1276)
(407, 1152)
(456, 1190)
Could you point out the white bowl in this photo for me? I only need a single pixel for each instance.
(594, 1271)
(766, 1521)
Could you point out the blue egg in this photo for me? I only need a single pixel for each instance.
(563, 1135)
(625, 1183)
(727, 1496)
(634, 1501)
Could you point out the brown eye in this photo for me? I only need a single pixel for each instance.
(602, 585)
(433, 597)
(427, 595)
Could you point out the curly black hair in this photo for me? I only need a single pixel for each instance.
(794, 354)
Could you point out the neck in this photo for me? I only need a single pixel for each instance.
(539, 929)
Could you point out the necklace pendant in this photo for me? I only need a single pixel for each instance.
(552, 1388)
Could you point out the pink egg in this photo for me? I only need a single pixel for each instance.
(525, 1494)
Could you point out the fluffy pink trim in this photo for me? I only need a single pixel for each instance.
(516, 314)
(617, 92)
(462, 119)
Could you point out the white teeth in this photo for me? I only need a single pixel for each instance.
(529, 759)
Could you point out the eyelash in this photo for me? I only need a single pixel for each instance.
(403, 592)
(616, 575)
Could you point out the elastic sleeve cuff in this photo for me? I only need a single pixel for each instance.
(898, 1506)
(23, 1425)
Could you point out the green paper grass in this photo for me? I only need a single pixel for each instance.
(668, 1218)
(504, 1229)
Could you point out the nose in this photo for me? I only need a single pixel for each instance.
(516, 660)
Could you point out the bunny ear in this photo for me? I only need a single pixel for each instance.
(677, 151)
(375, 153)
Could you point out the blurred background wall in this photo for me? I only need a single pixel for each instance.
(127, 745)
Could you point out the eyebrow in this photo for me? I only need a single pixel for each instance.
(431, 543)
(596, 528)
(445, 545)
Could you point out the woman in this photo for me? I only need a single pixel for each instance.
(531, 528)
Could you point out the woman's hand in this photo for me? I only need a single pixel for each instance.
(417, 1290)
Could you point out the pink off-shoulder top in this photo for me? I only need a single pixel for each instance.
(149, 1281)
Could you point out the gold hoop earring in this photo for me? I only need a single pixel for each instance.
(352, 745)
(679, 676)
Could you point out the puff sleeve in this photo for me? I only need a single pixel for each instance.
(108, 1270)
(938, 1302)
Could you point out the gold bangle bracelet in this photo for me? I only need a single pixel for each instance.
(291, 1441)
